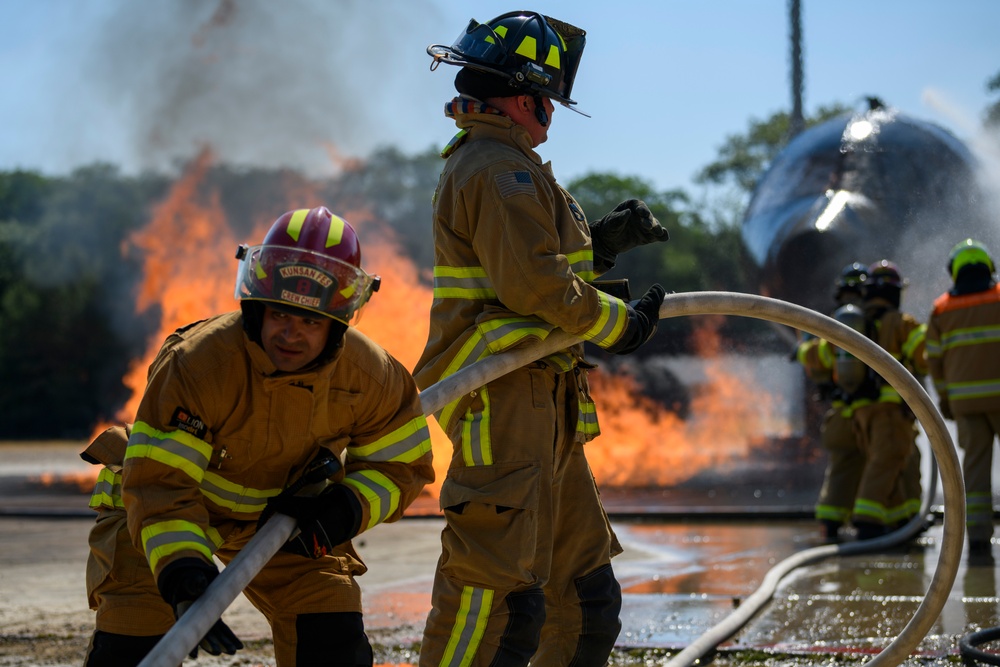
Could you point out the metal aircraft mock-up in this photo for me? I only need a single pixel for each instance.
(861, 187)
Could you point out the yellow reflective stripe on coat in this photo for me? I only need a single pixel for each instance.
(177, 449)
(107, 490)
(470, 625)
(611, 324)
(888, 394)
(586, 423)
(958, 391)
(405, 444)
(505, 332)
(463, 282)
(235, 497)
(967, 336)
(913, 341)
(581, 263)
(168, 537)
(379, 491)
(472, 351)
(477, 447)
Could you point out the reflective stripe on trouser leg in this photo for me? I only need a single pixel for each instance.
(843, 471)
(497, 540)
(976, 434)
(582, 598)
(886, 436)
(488, 629)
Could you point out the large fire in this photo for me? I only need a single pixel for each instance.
(189, 268)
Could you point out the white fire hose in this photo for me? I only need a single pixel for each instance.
(206, 610)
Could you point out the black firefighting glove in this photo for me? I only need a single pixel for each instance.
(642, 318)
(324, 521)
(629, 225)
(184, 581)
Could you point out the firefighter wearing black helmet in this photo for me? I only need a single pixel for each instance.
(525, 571)
(845, 462)
(888, 488)
(236, 408)
(889, 493)
(963, 356)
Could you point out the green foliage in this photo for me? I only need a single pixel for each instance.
(699, 255)
(743, 158)
(992, 115)
(62, 285)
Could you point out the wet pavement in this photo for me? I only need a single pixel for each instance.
(682, 573)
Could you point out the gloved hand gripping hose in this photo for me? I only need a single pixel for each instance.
(170, 651)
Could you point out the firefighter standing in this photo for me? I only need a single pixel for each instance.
(889, 493)
(235, 409)
(846, 461)
(963, 356)
(525, 570)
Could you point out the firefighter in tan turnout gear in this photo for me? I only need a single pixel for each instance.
(846, 461)
(890, 491)
(236, 409)
(888, 487)
(525, 570)
(963, 355)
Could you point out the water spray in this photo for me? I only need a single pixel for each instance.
(206, 610)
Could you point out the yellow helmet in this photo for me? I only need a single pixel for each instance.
(968, 252)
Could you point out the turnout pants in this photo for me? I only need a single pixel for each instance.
(843, 469)
(525, 567)
(307, 602)
(890, 488)
(976, 433)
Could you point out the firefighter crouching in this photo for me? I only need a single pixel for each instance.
(235, 409)
(963, 356)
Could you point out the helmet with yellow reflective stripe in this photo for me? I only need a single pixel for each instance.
(309, 262)
(536, 54)
(966, 253)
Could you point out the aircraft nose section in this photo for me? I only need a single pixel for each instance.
(814, 241)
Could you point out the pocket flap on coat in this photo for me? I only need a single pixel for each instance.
(492, 485)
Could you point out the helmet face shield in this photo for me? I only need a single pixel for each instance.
(479, 42)
(303, 279)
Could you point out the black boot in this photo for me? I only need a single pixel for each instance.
(831, 531)
(869, 531)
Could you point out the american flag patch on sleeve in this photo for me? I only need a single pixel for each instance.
(515, 183)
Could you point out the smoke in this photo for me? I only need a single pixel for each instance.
(259, 82)
(932, 253)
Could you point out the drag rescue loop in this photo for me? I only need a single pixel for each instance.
(190, 628)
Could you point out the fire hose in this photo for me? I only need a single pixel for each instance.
(206, 610)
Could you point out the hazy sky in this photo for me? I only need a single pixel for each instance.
(303, 83)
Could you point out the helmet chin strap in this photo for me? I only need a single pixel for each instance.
(543, 118)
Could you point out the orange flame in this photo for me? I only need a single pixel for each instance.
(189, 271)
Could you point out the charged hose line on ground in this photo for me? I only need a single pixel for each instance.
(191, 627)
(971, 654)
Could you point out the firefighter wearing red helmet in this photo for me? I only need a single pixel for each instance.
(237, 409)
(525, 571)
(890, 490)
(963, 356)
(845, 461)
